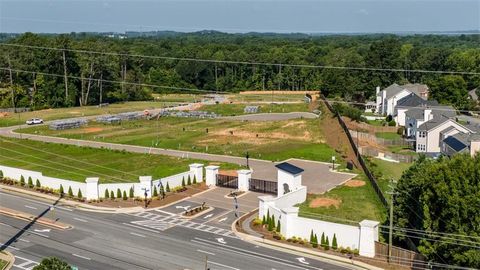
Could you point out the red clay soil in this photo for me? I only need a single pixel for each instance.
(364, 127)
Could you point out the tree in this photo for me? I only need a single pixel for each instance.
(268, 217)
(311, 237)
(183, 181)
(162, 189)
(271, 224)
(30, 182)
(22, 180)
(315, 241)
(1, 174)
(119, 193)
(327, 243)
(194, 179)
(70, 192)
(125, 195)
(155, 191)
(79, 194)
(37, 184)
(334, 242)
(189, 180)
(264, 220)
(112, 195)
(107, 194)
(62, 191)
(52, 263)
(441, 196)
(322, 240)
(168, 187)
(131, 193)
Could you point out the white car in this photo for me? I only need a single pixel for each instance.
(34, 121)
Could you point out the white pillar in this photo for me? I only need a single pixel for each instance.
(368, 236)
(211, 173)
(92, 188)
(244, 177)
(197, 170)
(289, 214)
(144, 186)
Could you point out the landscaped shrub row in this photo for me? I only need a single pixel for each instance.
(196, 210)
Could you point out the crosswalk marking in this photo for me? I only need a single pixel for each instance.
(24, 263)
(163, 222)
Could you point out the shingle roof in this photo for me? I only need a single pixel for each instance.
(411, 100)
(416, 88)
(416, 113)
(392, 90)
(435, 122)
(285, 166)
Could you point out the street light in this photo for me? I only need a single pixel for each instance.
(247, 156)
(333, 162)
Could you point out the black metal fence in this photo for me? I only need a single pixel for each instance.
(372, 179)
(228, 181)
(264, 186)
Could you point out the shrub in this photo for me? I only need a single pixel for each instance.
(401, 130)
(356, 252)
(125, 195)
(30, 182)
(79, 194)
(268, 216)
(257, 222)
(189, 181)
(392, 123)
(112, 195)
(70, 192)
(155, 191)
(278, 226)
(322, 240)
(315, 241)
(334, 242)
(183, 181)
(1, 174)
(107, 195)
(327, 243)
(167, 188)
(194, 179)
(270, 224)
(37, 184)
(388, 118)
(22, 181)
(264, 220)
(311, 236)
(119, 193)
(131, 193)
(162, 190)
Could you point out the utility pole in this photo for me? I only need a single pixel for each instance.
(390, 231)
(11, 82)
(65, 75)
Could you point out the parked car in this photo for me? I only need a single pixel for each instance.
(34, 121)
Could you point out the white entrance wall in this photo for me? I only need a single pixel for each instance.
(211, 173)
(244, 177)
(293, 181)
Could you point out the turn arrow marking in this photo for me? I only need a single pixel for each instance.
(302, 260)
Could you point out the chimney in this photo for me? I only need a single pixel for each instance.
(426, 114)
(377, 90)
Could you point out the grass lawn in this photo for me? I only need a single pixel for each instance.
(387, 171)
(237, 109)
(267, 97)
(388, 135)
(377, 123)
(277, 140)
(357, 204)
(177, 97)
(77, 163)
(3, 264)
(60, 113)
(404, 150)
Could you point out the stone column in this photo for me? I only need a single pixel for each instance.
(368, 236)
(197, 170)
(244, 177)
(211, 173)
(145, 185)
(92, 188)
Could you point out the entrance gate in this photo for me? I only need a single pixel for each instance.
(264, 186)
(227, 181)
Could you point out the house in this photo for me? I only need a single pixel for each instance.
(461, 143)
(473, 94)
(414, 117)
(370, 107)
(408, 102)
(430, 135)
(387, 99)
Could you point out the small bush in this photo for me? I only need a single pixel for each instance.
(278, 226)
(264, 220)
(61, 191)
(162, 189)
(183, 181)
(392, 123)
(401, 130)
(79, 194)
(257, 222)
(30, 182)
(131, 193)
(70, 192)
(194, 179)
(119, 193)
(22, 181)
(1, 174)
(167, 188)
(125, 195)
(107, 195)
(334, 242)
(327, 243)
(112, 195)
(37, 184)
(155, 191)
(189, 181)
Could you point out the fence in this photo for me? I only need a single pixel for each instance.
(372, 138)
(259, 185)
(227, 181)
(400, 256)
(13, 110)
(374, 183)
(373, 152)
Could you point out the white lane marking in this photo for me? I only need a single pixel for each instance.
(222, 219)
(208, 216)
(302, 260)
(221, 240)
(140, 227)
(43, 230)
(24, 240)
(39, 234)
(223, 265)
(80, 256)
(164, 212)
(206, 252)
(183, 207)
(81, 220)
(31, 207)
(37, 202)
(137, 234)
(14, 248)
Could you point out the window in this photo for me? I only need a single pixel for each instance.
(421, 147)
(422, 134)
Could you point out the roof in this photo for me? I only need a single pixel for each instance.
(473, 94)
(416, 113)
(435, 122)
(456, 142)
(437, 111)
(416, 88)
(287, 167)
(411, 100)
(448, 129)
(392, 90)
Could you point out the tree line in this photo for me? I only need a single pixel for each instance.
(82, 78)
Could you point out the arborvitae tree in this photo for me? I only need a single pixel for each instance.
(119, 193)
(162, 189)
(131, 194)
(183, 181)
(155, 191)
(112, 195)
(264, 220)
(334, 242)
(125, 195)
(107, 194)
(79, 194)
(268, 216)
(30, 182)
(189, 180)
(168, 187)
(61, 190)
(37, 184)
(315, 241)
(270, 224)
(272, 221)
(322, 241)
(327, 243)
(70, 192)
(311, 237)
(22, 180)
(278, 226)
(194, 179)
(1, 174)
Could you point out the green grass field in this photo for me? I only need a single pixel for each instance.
(388, 135)
(77, 163)
(3, 264)
(268, 97)
(238, 109)
(61, 113)
(278, 140)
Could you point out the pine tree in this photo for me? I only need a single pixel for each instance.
(168, 187)
(268, 216)
(1, 174)
(189, 180)
(125, 195)
(70, 192)
(79, 194)
(334, 242)
(194, 179)
(30, 182)
(311, 237)
(327, 243)
(162, 189)
(22, 181)
(271, 224)
(264, 220)
(112, 195)
(119, 193)
(315, 241)
(131, 193)
(107, 195)
(155, 191)
(183, 181)
(37, 184)
(61, 190)
(322, 241)
(278, 226)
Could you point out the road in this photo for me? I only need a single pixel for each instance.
(121, 241)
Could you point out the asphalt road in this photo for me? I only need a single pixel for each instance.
(119, 241)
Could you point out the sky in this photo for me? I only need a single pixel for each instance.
(282, 16)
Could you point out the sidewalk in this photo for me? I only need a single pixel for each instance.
(257, 239)
(8, 257)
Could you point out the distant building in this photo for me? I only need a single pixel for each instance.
(387, 99)
(416, 116)
(461, 143)
(472, 94)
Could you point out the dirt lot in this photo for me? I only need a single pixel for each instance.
(325, 202)
(355, 183)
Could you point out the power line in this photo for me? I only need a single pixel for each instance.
(245, 62)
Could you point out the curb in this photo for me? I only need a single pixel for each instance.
(300, 251)
(9, 258)
(28, 217)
